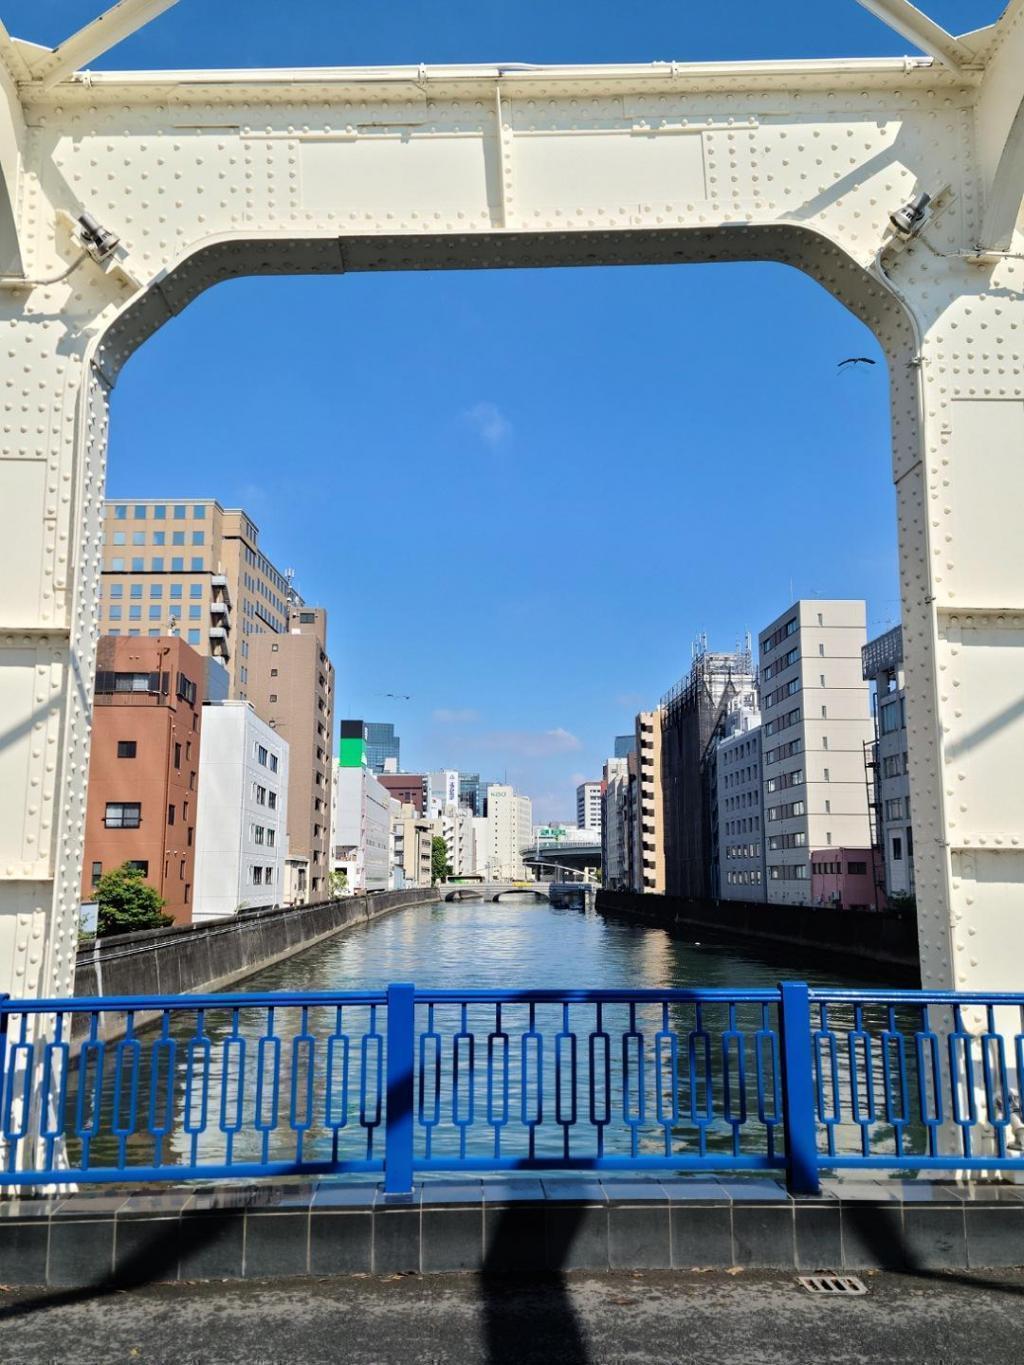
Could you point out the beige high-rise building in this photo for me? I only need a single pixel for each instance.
(649, 853)
(195, 569)
(816, 721)
(291, 685)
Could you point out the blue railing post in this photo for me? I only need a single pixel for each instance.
(798, 1089)
(4, 997)
(398, 1131)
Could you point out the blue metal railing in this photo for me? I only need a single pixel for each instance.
(145, 1088)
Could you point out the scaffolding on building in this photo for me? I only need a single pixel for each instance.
(693, 716)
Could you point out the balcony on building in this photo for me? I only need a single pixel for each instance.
(219, 583)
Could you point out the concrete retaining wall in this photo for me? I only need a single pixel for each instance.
(202, 957)
(886, 940)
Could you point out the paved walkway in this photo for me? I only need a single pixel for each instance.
(645, 1318)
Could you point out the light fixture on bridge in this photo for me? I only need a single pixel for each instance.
(909, 220)
(99, 241)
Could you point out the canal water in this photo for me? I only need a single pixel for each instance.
(522, 943)
(493, 1080)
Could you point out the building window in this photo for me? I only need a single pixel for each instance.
(175, 592)
(155, 612)
(123, 815)
(199, 512)
(193, 636)
(181, 870)
(160, 512)
(140, 864)
(273, 672)
(258, 833)
(170, 815)
(261, 755)
(179, 513)
(120, 512)
(138, 564)
(138, 537)
(261, 795)
(177, 537)
(177, 755)
(857, 869)
(257, 876)
(268, 875)
(119, 538)
(197, 564)
(126, 748)
(97, 872)
(177, 564)
(198, 537)
(195, 590)
(271, 838)
(159, 537)
(117, 564)
(116, 590)
(114, 612)
(273, 697)
(894, 808)
(272, 800)
(273, 763)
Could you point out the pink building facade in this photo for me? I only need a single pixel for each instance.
(848, 878)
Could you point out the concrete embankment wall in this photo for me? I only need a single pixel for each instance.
(208, 957)
(886, 940)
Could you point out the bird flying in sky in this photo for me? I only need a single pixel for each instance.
(855, 360)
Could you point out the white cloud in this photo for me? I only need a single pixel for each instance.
(454, 715)
(489, 423)
(532, 743)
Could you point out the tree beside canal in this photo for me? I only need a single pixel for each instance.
(127, 902)
(440, 867)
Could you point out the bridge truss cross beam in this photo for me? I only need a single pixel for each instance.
(204, 176)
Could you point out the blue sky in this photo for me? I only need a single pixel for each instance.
(534, 488)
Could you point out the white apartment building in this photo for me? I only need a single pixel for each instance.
(456, 828)
(816, 721)
(588, 806)
(482, 859)
(615, 825)
(741, 862)
(510, 828)
(883, 665)
(242, 812)
(396, 845)
(360, 829)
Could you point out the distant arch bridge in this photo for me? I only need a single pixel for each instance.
(492, 891)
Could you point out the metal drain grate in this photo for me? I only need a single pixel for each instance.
(833, 1284)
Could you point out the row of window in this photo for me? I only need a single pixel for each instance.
(155, 613)
(141, 511)
(750, 877)
(785, 661)
(158, 564)
(159, 538)
(777, 636)
(895, 765)
(743, 851)
(263, 834)
(749, 825)
(115, 591)
(776, 842)
(784, 780)
(897, 808)
(742, 799)
(264, 757)
(263, 797)
(737, 752)
(745, 774)
(261, 876)
(783, 722)
(855, 868)
(781, 751)
(785, 812)
(787, 872)
(779, 694)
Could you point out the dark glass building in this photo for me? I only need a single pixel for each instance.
(381, 743)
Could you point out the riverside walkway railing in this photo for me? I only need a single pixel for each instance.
(403, 1081)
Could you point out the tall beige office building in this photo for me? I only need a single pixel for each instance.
(291, 685)
(815, 723)
(648, 831)
(195, 569)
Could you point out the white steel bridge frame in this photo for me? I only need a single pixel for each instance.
(206, 175)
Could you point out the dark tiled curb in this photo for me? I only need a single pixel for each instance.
(503, 1226)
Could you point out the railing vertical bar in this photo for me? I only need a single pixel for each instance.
(798, 1089)
(398, 1120)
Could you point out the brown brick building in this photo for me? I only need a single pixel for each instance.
(144, 766)
(409, 788)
